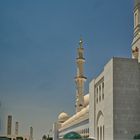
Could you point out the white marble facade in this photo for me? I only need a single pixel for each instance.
(114, 101)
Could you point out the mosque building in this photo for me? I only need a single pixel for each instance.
(111, 109)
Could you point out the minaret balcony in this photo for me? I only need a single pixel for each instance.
(80, 78)
(80, 59)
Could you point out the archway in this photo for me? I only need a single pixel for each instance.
(100, 126)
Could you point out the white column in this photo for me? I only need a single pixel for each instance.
(55, 131)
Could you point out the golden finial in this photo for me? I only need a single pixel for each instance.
(81, 42)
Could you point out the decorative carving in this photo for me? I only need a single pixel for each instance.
(135, 52)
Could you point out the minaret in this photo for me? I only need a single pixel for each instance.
(80, 78)
(16, 128)
(9, 125)
(136, 40)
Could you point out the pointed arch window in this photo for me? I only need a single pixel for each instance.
(100, 93)
(97, 94)
(103, 90)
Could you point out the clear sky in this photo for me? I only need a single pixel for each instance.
(38, 41)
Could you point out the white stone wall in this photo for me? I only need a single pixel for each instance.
(101, 105)
(108, 103)
(82, 128)
(92, 109)
(126, 81)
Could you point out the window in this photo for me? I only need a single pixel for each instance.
(99, 90)
(97, 133)
(97, 94)
(103, 90)
(100, 93)
(103, 133)
(100, 133)
(135, 19)
(88, 130)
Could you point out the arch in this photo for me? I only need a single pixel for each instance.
(99, 114)
(100, 125)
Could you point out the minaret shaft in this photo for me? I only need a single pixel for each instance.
(80, 78)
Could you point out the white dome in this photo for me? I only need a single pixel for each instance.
(63, 117)
(86, 99)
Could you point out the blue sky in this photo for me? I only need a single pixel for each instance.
(38, 42)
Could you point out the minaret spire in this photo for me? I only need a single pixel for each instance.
(80, 78)
(81, 43)
(136, 39)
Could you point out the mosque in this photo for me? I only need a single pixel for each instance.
(111, 109)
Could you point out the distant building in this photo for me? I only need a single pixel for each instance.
(6, 127)
(111, 109)
(16, 128)
(3, 119)
(0, 119)
(9, 125)
(31, 133)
